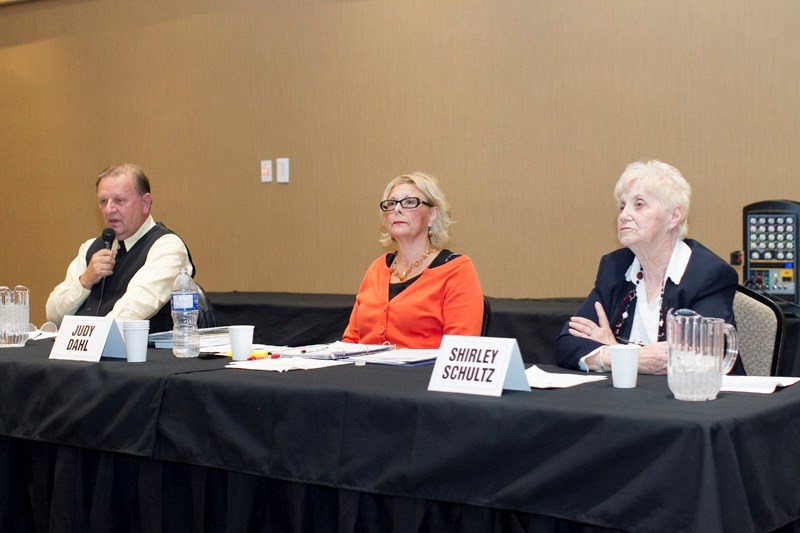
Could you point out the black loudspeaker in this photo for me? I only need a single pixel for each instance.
(770, 244)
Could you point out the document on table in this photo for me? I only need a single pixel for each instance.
(335, 350)
(400, 357)
(540, 379)
(209, 337)
(277, 360)
(756, 384)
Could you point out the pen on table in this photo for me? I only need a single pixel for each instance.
(314, 348)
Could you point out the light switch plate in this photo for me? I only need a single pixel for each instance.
(283, 169)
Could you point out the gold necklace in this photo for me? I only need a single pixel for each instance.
(404, 274)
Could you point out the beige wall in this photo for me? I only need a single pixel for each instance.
(527, 110)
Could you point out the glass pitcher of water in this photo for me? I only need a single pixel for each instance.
(14, 316)
(701, 351)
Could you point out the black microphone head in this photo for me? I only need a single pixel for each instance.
(108, 237)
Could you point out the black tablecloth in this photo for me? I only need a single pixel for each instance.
(110, 406)
(369, 448)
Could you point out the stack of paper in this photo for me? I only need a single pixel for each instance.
(208, 337)
(280, 359)
(401, 356)
(283, 364)
(335, 350)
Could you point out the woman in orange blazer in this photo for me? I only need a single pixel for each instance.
(421, 291)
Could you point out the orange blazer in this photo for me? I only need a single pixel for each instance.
(444, 300)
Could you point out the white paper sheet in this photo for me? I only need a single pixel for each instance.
(756, 384)
(39, 334)
(540, 379)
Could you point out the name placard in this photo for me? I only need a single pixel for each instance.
(478, 365)
(88, 338)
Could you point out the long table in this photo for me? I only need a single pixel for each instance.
(188, 445)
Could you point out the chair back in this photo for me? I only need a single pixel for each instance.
(206, 317)
(759, 330)
(487, 314)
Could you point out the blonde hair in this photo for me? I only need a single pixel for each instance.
(429, 185)
(664, 182)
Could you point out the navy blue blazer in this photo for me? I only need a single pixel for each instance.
(707, 287)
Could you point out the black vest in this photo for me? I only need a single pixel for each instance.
(117, 284)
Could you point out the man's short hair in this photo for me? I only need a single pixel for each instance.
(140, 180)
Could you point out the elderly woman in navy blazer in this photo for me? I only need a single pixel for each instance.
(657, 270)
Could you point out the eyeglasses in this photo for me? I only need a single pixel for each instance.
(410, 202)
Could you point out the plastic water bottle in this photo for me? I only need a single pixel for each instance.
(185, 310)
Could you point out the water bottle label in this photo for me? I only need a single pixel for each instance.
(185, 302)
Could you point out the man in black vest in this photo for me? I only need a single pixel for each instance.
(133, 279)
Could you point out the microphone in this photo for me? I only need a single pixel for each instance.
(108, 239)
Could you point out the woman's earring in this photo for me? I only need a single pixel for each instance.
(430, 233)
